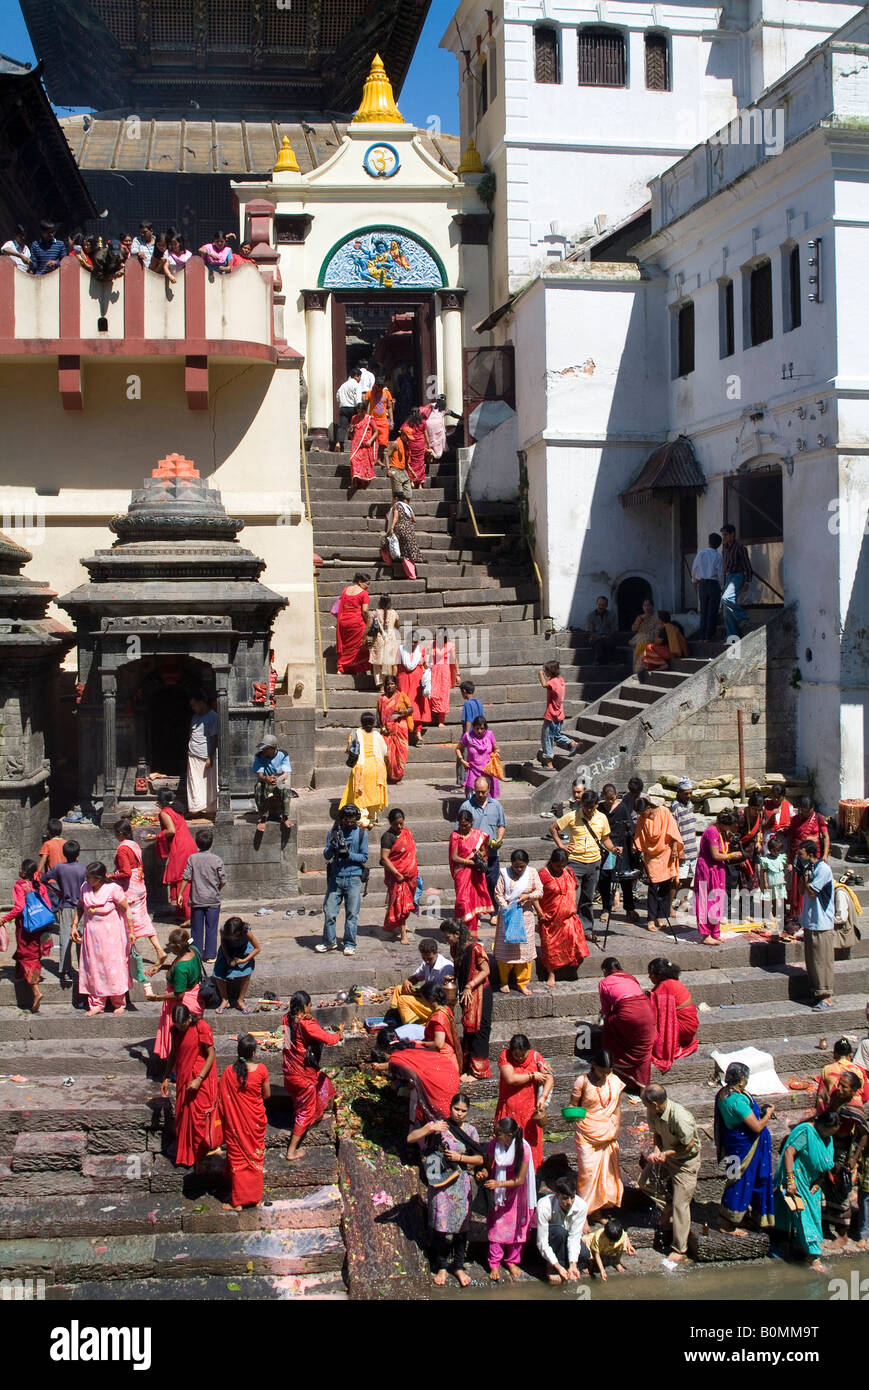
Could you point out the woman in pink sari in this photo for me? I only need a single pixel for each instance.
(514, 1197)
(130, 875)
(598, 1172)
(444, 676)
(364, 448)
(468, 852)
(677, 1020)
(710, 889)
(806, 824)
(628, 1024)
(104, 958)
(175, 844)
(474, 751)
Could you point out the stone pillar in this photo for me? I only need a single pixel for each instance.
(224, 751)
(452, 366)
(318, 367)
(110, 745)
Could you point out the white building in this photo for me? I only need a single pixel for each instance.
(735, 323)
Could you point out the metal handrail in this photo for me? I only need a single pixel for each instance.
(482, 535)
(303, 453)
(754, 575)
(500, 535)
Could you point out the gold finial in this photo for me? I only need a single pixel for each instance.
(471, 161)
(286, 161)
(378, 104)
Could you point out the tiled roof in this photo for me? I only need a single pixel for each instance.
(239, 149)
(671, 471)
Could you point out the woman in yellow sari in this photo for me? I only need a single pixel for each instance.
(366, 785)
(599, 1178)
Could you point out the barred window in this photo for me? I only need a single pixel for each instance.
(657, 62)
(602, 61)
(792, 299)
(685, 340)
(546, 65)
(760, 303)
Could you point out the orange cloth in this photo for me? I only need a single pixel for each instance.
(660, 842)
(598, 1174)
(675, 640)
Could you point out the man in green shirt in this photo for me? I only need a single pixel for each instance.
(677, 1156)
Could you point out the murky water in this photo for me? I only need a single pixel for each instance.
(753, 1282)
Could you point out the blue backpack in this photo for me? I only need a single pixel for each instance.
(37, 915)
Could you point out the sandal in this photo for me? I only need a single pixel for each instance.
(242, 1008)
(222, 1008)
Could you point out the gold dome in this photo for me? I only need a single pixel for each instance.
(286, 161)
(471, 161)
(378, 104)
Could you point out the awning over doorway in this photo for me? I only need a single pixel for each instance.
(669, 473)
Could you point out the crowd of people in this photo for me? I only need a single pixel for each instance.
(165, 253)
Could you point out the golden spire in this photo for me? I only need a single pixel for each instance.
(378, 104)
(286, 161)
(471, 161)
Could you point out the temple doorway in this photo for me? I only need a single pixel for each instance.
(629, 600)
(395, 335)
(154, 718)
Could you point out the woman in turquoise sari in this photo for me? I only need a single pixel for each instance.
(744, 1146)
(807, 1155)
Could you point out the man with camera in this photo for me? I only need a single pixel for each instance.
(816, 921)
(346, 855)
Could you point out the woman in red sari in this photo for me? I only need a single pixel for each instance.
(194, 1062)
(468, 852)
(175, 844)
(562, 939)
(395, 715)
(807, 824)
(444, 676)
(364, 448)
(30, 947)
(433, 1076)
(401, 871)
(413, 430)
(676, 1018)
(310, 1089)
(412, 665)
(522, 1070)
(473, 980)
(629, 1024)
(241, 1096)
(441, 1033)
(351, 626)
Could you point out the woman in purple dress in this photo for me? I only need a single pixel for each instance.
(474, 751)
(710, 892)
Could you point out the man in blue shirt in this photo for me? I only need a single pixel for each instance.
(47, 253)
(817, 922)
(272, 769)
(346, 855)
(487, 813)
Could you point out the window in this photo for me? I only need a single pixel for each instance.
(791, 304)
(484, 87)
(657, 62)
(546, 64)
(753, 503)
(685, 340)
(602, 60)
(726, 335)
(760, 303)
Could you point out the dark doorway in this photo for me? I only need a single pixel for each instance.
(629, 600)
(169, 720)
(395, 336)
(154, 714)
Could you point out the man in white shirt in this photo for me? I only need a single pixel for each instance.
(562, 1217)
(707, 576)
(367, 378)
(434, 968)
(202, 758)
(18, 251)
(349, 397)
(143, 244)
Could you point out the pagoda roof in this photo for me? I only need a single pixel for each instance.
(40, 178)
(230, 56)
(239, 148)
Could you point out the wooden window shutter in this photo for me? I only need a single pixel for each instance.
(761, 303)
(601, 53)
(657, 63)
(546, 56)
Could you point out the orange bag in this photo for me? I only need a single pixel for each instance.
(494, 767)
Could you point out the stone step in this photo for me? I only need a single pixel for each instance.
(120, 1214)
(507, 730)
(596, 726)
(171, 1256)
(48, 1152)
(423, 599)
(620, 709)
(340, 509)
(241, 1288)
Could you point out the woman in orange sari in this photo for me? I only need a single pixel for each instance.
(843, 1053)
(194, 1062)
(475, 997)
(351, 626)
(444, 676)
(676, 1018)
(241, 1097)
(598, 1174)
(364, 445)
(468, 851)
(310, 1089)
(401, 870)
(522, 1070)
(379, 405)
(441, 1033)
(562, 939)
(395, 714)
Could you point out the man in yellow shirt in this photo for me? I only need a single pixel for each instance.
(588, 832)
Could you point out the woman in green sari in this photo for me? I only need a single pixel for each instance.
(807, 1155)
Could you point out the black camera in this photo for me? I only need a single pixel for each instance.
(338, 841)
(803, 867)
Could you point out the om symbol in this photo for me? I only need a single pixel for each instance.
(381, 161)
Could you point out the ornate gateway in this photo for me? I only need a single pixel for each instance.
(382, 258)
